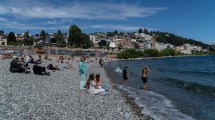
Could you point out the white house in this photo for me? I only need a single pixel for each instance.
(186, 49)
(160, 46)
(3, 40)
(196, 48)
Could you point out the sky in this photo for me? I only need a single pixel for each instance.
(193, 19)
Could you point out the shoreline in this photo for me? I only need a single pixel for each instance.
(130, 100)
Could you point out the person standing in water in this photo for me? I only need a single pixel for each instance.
(145, 72)
(125, 76)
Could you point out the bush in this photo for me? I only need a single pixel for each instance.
(151, 53)
(168, 52)
(130, 53)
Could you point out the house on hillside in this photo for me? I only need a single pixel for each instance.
(186, 49)
(126, 43)
(3, 40)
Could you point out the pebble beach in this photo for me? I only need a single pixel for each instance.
(58, 97)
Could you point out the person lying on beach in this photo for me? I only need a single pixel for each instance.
(99, 83)
(52, 67)
(39, 70)
(69, 66)
(92, 88)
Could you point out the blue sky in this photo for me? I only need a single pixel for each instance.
(187, 18)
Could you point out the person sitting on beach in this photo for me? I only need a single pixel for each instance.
(60, 59)
(72, 58)
(69, 66)
(46, 58)
(27, 59)
(39, 60)
(92, 88)
(18, 66)
(99, 83)
(31, 59)
(52, 67)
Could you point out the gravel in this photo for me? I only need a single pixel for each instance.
(58, 97)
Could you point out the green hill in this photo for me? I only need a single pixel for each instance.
(175, 40)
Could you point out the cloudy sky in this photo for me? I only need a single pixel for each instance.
(187, 18)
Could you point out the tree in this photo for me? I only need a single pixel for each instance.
(140, 30)
(110, 34)
(31, 41)
(74, 30)
(115, 32)
(78, 39)
(60, 39)
(43, 35)
(168, 52)
(26, 38)
(145, 31)
(1, 32)
(74, 38)
(59, 34)
(53, 40)
(85, 41)
(130, 53)
(151, 52)
(11, 39)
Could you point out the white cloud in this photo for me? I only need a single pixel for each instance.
(115, 27)
(3, 19)
(85, 10)
(57, 22)
(23, 26)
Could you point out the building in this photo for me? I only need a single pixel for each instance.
(196, 48)
(126, 43)
(178, 48)
(160, 46)
(3, 40)
(186, 49)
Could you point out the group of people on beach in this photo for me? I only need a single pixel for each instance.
(93, 83)
(144, 75)
(20, 65)
(6, 56)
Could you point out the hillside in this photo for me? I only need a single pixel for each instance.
(177, 40)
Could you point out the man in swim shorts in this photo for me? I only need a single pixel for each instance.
(145, 72)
